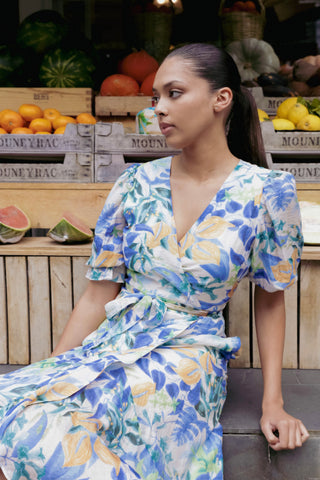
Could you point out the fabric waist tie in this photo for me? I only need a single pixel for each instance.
(186, 309)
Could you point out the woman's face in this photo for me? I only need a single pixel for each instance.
(183, 103)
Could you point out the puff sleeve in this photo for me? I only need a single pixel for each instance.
(106, 261)
(278, 242)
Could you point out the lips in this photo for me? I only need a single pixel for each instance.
(165, 128)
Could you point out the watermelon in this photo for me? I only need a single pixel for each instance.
(70, 229)
(11, 62)
(41, 31)
(67, 68)
(13, 224)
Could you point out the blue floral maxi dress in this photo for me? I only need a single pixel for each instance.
(142, 397)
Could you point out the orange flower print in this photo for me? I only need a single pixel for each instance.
(107, 259)
(189, 371)
(105, 454)
(141, 393)
(76, 448)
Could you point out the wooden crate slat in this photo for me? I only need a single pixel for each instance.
(69, 101)
(39, 306)
(18, 320)
(309, 315)
(44, 203)
(3, 315)
(79, 270)
(109, 105)
(239, 322)
(61, 295)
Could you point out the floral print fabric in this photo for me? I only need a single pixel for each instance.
(141, 398)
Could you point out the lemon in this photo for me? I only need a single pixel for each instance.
(284, 106)
(263, 115)
(283, 124)
(297, 112)
(310, 123)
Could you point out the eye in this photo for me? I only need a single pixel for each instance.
(174, 93)
(154, 100)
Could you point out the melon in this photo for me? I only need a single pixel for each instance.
(13, 224)
(70, 229)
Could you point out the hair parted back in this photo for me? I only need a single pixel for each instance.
(215, 65)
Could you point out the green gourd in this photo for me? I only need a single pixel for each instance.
(253, 57)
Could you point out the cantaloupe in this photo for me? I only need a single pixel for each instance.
(14, 223)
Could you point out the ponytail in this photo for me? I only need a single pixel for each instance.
(244, 132)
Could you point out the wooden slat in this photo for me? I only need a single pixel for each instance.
(108, 105)
(44, 203)
(3, 315)
(45, 246)
(79, 270)
(39, 306)
(61, 295)
(309, 315)
(18, 321)
(69, 101)
(239, 322)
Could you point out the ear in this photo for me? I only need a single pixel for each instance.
(222, 99)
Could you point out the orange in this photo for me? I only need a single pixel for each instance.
(41, 125)
(2, 131)
(62, 121)
(42, 133)
(60, 130)
(22, 130)
(86, 118)
(119, 85)
(138, 65)
(51, 114)
(9, 119)
(29, 111)
(147, 84)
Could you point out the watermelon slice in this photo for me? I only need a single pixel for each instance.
(13, 224)
(70, 230)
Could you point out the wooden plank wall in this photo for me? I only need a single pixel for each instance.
(37, 295)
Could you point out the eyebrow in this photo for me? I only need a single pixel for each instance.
(169, 84)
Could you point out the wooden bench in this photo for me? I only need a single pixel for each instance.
(40, 281)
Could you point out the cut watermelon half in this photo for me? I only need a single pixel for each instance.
(13, 224)
(70, 229)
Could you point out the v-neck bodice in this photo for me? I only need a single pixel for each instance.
(242, 231)
(202, 213)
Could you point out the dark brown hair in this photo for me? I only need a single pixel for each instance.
(219, 69)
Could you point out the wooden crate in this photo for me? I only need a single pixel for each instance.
(115, 149)
(41, 280)
(69, 101)
(293, 151)
(51, 158)
(269, 104)
(121, 109)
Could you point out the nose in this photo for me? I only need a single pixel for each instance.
(160, 107)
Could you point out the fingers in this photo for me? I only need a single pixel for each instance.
(292, 434)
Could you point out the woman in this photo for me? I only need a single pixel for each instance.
(136, 385)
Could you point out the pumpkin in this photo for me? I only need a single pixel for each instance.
(253, 57)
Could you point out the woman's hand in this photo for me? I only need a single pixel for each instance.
(281, 430)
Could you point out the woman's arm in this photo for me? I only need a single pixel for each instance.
(87, 314)
(270, 327)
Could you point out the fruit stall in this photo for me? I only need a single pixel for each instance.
(76, 109)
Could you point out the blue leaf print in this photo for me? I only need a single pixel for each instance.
(236, 258)
(233, 206)
(159, 378)
(194, 395)
(244, 233)
(172, 389)
(280, 194)
(142, 340)
(251, 210)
